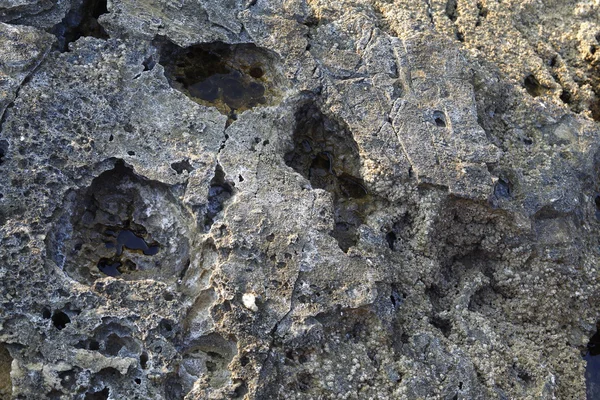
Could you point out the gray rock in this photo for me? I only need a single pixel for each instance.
(303, 200)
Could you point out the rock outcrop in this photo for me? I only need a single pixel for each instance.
(358, 199)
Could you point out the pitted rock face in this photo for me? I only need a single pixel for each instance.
(124, 226)
(291, 200)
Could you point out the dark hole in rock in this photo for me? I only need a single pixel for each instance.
(595, 109)
(442, 324)
(127, 239)
(533, 86)
(111, 138)
(527, 141)
(183, 165)
(391, 238)
(131, 153)
(597, 203)
(112, 224)
(439, 118)
(166, 327)
(124, 240)
(244, 361)
(592, 368)
(460, 36)
(219, 192)
(326, 154)
(240, 391)
(60, 320)
(5, 368)
(3, 150)
(46, 313)
(228, 77)
(101, 395)
(451, 10)
(524, 376)
(502, 190)
(270, 237)
(256, 72)
(81, 20)
(144, 361)
(94, 345)
(149, 63)
(114, 343)
(168, 296)
(396, 298)
(565, 96)
(138, 381)
(109, 267)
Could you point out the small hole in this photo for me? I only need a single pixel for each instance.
(138, 381)
(391, 240)
(565, 97)
(244, 361)
(148, 64)
(439, 118)
(46, 313)
(131, 153)
(270, 237)
(502, 190)
(111, 138)
(60, 320)
(144, 360)
(532, 85)
(256, 72)
(241, 178)
(94, 345)
(168, 296)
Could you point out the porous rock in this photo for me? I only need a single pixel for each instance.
(302, 200)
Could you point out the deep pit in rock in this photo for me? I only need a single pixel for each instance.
(592, 368)
(121, 226)
(232, 78)
(326, 154)
(81, 20)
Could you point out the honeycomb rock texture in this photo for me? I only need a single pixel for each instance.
(299, 199)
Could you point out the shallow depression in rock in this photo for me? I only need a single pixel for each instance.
(232, 78)
(122, 226)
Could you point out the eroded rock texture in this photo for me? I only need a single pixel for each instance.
(299, 199)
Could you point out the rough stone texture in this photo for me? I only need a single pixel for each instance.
(410, 212)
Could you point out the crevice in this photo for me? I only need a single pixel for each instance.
(81, 20)
(219, 192)
(326, 154)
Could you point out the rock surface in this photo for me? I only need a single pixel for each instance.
(298, 199)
